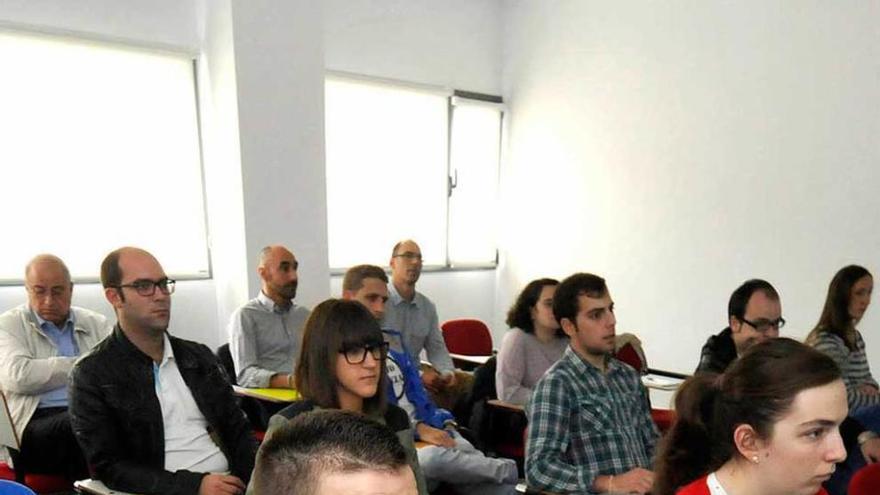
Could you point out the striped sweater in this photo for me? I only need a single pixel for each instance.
(853, 365)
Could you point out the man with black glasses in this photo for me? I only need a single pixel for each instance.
(39, 342)
(754, 315)
(415, 316)
(154, 414)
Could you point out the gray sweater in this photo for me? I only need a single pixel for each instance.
(522, 361)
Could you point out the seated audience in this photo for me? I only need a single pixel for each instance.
(154, 414)
(849, 295)
(590, 427)
(342, 366)
(862, 445)
(754, 315)
(533, 344)
(415, 317)
(39, 342)
(450, 457)
(331, 453)
(265, 334)
(767, 426)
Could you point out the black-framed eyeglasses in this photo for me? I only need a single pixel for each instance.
(147, 288)
(409, 256)
(357, 355)
(765, 326)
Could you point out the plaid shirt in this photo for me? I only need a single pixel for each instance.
(583, 423)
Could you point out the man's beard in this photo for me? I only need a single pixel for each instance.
(288, 291)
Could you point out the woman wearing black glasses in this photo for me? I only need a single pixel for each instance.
(342, 366)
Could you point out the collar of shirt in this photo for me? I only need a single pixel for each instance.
(69, 323)
(396, 299)
(271, 305)
(584, 366)
(167, 352)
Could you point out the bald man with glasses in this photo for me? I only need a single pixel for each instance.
(39, 342)
(153, 413)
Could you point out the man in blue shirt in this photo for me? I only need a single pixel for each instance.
(415, 317)
(448, 457)
(39, 342)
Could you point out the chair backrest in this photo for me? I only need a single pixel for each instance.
(866, 481)
(467, 336)
(628, 348)
(8, 435)
(8, 487)
(225, 357)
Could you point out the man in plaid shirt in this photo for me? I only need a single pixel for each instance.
(590, 427)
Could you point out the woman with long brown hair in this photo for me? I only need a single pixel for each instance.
(767, 426)
(849, 295)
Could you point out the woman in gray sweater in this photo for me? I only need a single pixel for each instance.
(532, 345)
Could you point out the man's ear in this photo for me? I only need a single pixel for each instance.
(735, 324)
(568, 327)
(348, 295)
(748, 443)
(261, 271)
(112, 296)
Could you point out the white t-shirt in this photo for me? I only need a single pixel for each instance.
(188, 445)
(715, 487)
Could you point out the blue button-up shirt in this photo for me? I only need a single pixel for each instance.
(66, 346)
(418, 323)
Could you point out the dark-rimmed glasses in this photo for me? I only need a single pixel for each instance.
(409, 256)
(147, 288)
(357, 355)
(765, 326)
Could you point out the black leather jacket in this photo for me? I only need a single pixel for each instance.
(117, 419)
(718, 352)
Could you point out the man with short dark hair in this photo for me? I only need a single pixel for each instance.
(449, 458)
(754, 315)
(331, 452)
(266, 333)
(39, 342)
(590, 426)
(154, 414)
(415, 316)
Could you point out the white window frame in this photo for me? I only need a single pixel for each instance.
(453, 98)
(201, 268)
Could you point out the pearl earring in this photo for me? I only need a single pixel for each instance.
(755, 459)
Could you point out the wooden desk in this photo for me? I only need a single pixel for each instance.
(279, 395)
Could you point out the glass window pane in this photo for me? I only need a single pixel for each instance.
(386, 149)
(101, 149)
(476, 143)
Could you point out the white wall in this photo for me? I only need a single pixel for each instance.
(156, 23)
(453, 43)
(679, 148)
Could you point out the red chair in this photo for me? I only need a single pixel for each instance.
(40, 483)
(628, 348)
(866, 481)
(467, 337)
